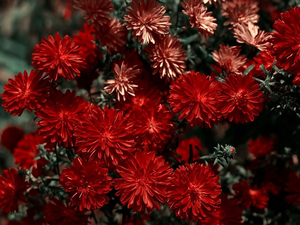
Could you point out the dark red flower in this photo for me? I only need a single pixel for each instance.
(97, 12)
(167, 57)
(65, 7)
(60, 116)
(108, 137)
(146, 19)
(58, 213)
(183, 148)
(250, 197)
(12, 190)
(10, 136)
(193, 192)
(87, 183)
(195, 96)
(261, 146)
(240, 98)
(25, 92)
(58, 58)
(143, 181)
(292, 187)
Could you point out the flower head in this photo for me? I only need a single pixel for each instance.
(146, 19)
(58, 57)
(25, 92)
(261, 146)
(292, 187)
(10, 136)
(167, 57)
(195, 96)
(267, 59)
(240, 98)
(143, 181)
(193, 192)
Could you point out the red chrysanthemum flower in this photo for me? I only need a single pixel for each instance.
(97, 12)
(10, 136)
(26, 152)
(123, 82)
(146, 19)
(199, 17)
(183, 148)
(229, 59)
(25, 92)
(58, 58)
(286, 39)
(240, 98)
(264, 58)
(261, 146)
(250, 34)
(58, 213)
(250, 197)
(193, 192)
(12, 190)
(228, 214)
(87, 183)
(195, 96)
(107, 136)
(167, 57)
(113, 35)
(143, 181)
(152, 125)
(60, 116)
(292, 186)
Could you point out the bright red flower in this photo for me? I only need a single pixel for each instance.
(87, 183)
(286, 39)
(195, 96)
(108, 137)
(12, 190)
(146, 19)
(250, 197)
(229, 59)
(292, 187)
(25, 92)
(113, 35)
(240, 99)
(183, 148)
(26, 152)
(199, 17)
(193, 192)
(265, 58)
(97, 12)
(60, 116)
(58, 57)
(167, 57)
(10, 136)
(261, 146)
(58, 213)
(143, 181)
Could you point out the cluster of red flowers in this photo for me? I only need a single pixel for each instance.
(123, 147)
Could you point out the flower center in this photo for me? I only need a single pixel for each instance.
(240, 98)
(194, 191)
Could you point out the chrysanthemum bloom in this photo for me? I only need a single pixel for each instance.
(264, 58)
(60, 115)
(240, 99)
(261, 146)
(58, 213)
(58, 57)
(240, 11)
(286, 39)
(193, 192)
(229, 59)
(228, 214)
(97, 12)
(167, 57)
(292, 187)
(123, 82)
(199, 17)
(152, 125)
(86, 182)
(250, 197)
(10, 136)
(195, 96)
(250, 34)
(106, 136)
(113, 35)
(143, 182)
(25, 92)
(183, 148)
(26, 152)
(12, 190)
(146, 19)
